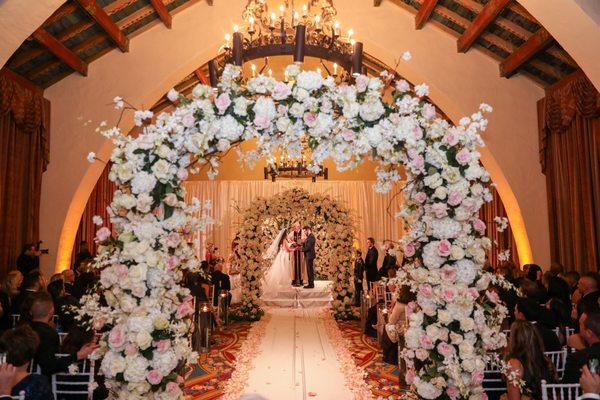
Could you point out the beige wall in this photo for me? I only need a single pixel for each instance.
(160, 57)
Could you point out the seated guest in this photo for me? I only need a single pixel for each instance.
(69, 279)
(20, 345)
(590, 384)
(394, 329)
(221, 281)
(534, 274)
(32, 283)
(84, 281)
(389, 261)
(528, 310)
(588, 291)
(42, 312)
(572, 279)
(559, 302)
(62, 304)
(84, 255)
(525, 357)
(359, 274)
(589, 327)
(9, 290)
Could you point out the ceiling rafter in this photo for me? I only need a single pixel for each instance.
(163, 13)
(106, 23)
(539, 41)
(61, 51)
(484, 19)
(424, 13)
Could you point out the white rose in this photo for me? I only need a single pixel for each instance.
(144, 203)
(136, 369)
(143, 340)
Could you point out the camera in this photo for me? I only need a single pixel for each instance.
(42, 251)
(593, 364)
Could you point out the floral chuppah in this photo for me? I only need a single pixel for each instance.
(332, 226)
(455, 320)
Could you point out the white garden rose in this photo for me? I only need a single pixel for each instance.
(143, 340)
(136, 368)
(143, 182)
(309, 80)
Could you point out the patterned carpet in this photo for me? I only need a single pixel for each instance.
(208, 377)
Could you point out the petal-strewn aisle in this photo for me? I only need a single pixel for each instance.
(300, 358)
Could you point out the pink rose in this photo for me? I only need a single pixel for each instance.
(116, 337)
(417, 132)
(426, 290)
(173, 239)
(121, 271)
(223, 102)
(451, 138)
(281, 91)
(469, 204)
(262, 120)
(154, 377)
(188, 120)
(443, 334)
(172, 262)
(172, 388)
(473, 292)
(440, 210)
(409, 250)
(444, 248)
(131, 349)
(182, 174)
(417, 162)
(420, 197)
(310, 119)
(102, 234)
(463, 157)
(476, 378)
(448, 274)
(455, 198)
(448, 294)
(185, 309)
(425, 341)
(402, 86)
(162, 345)
(452, 392)
(479, 226)
(428, 111)
(410, 376)
(493, 296)
(445, 349)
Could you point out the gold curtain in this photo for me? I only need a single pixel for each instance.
(569, 130)
(24, 155)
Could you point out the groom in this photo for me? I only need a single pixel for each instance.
(308, 248)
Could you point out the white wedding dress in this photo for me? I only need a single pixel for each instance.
(278, 276)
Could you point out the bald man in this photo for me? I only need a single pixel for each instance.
(588, 288)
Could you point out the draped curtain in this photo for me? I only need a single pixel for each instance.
(569, 130)
(99, 200)
(500, 240)
(24, 155)
(373, 212)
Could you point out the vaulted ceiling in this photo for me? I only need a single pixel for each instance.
(81, 31)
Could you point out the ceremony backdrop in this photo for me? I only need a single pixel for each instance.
(374, 213)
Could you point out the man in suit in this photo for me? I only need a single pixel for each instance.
(42, 312)
(359, 272)
(389, 261)
(308, 248)
(371, 262)
(589, 327)
(221, 281)
(529, 310)
(588, 288)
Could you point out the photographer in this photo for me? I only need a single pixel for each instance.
(29, 259)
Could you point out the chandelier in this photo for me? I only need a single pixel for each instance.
(296, 28)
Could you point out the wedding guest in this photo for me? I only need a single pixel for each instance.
(359, 273)
(590, 384)
(42, 312)
(69, 279)
(84, 280)
(389, 260)
(525, 357)
(589, 293)
(559, 302)
(83, 255)
(572, 278)
(20, 346)
(371, 262)
(63, 302)
(528, 310)
(220, 281)
(589, 328)
(394, 329)
(32, 283)
(9, 290)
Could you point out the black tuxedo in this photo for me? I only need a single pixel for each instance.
(220, 281)
(389, 262)
(576, 361)
(588, 302)
(371, 265)
(49, 346)
(308, 248)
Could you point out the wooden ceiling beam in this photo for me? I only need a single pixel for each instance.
(201, 76)
(538, 42)
(26, 83)
(106, 23)
(424, 13)
(61, 51)
(64, 10)
(162, 12)
(484, 19)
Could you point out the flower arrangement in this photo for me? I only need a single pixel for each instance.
(261, 221)
(455, 320)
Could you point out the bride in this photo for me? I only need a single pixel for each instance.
(278, 276)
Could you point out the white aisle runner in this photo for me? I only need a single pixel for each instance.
(297, 361)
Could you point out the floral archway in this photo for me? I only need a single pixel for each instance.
(261, 221)
(145, 318)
